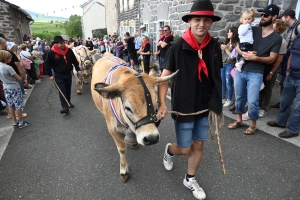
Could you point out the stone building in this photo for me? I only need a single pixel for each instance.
(112, 17)
(157, 13)
(14, 22)
(128, 18)
(93, 18)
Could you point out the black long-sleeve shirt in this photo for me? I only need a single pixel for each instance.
(58, 64)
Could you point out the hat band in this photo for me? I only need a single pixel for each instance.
(203, 12)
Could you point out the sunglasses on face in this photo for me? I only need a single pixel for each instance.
(264, 15)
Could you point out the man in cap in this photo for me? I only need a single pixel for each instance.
(61, 59)
(196, 87)
(288, 17)
(143, 30)
(164, 44)
(267, 43)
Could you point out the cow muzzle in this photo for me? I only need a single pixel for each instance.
(147, 139)
(151, 139)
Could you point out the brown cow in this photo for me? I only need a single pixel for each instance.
(134, 104)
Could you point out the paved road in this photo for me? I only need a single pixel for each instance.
(74, 157)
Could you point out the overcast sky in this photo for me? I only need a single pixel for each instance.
(48, 6)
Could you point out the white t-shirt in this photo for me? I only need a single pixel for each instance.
(245, 33)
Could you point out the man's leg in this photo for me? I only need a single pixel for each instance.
(293, 125)
(68, 86)
(60, 81)
(254, 81)
(240, 85)
(286, 102)
(268, 92)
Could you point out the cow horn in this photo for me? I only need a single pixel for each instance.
(166, 78)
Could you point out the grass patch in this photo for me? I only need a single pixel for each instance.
(43, 26)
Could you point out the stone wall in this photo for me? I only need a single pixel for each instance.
(229, 10)
(127, 11)
(13, 23)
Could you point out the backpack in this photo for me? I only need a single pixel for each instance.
(295, 72)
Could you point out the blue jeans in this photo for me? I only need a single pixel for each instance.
(290, 92)
(187, 132)
(247, 83)
(227, 81)
(64, 82)
(161, 63)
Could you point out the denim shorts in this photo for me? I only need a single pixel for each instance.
(187, 132)
(14, 98)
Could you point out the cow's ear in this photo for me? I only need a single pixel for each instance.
(107, 91)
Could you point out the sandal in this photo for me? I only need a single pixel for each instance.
(235, 125)
(250, 130)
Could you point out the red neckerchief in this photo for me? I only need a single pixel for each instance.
(144, 45)
(191, 40)
(60, 52)
(169, 35)
(161, 37)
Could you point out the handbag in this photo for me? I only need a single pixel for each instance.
(232, 72)
(27, 63)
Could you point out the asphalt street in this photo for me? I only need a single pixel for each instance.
(74, 157)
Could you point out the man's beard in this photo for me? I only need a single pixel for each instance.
(265, 23)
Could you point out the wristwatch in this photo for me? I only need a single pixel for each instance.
(271, 73)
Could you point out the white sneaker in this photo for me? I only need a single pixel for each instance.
(168, 163)
(228, 103)
(192, 184)
(262, 113)
(223, 101)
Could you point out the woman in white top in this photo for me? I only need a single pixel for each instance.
(26, 60)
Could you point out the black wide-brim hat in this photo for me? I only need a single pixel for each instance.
(58, 39)
(202, 8)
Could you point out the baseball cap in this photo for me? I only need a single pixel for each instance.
(142, 26)
(288, 12)
(271, 10)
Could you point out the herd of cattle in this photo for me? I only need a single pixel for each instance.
(126, 98)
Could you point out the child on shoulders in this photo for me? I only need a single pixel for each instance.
(245, 36)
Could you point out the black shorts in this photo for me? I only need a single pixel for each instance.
(132, 55)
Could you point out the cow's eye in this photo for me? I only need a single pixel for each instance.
(128, 109)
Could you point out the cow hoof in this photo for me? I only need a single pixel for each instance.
(134, 146)
(78, 93)
(124, 177)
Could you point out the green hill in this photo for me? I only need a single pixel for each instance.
(47, 30)
(40, 27)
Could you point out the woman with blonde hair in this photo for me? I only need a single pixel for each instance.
(245, 35)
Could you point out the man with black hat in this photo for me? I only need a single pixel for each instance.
(196, 87)
(288, 17)
(61, 59)
(267, 43)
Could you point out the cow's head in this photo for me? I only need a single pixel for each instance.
(86, 56)
(137, 111)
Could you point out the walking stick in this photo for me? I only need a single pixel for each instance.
(61, 93)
